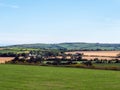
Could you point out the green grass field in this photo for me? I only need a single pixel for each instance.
(117, 65)
(21, 77)
(16, 50)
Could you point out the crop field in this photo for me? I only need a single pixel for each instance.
(108, 65)
(16, 50)
(21, 77)
(4, 59)
(99, 57)
(1, 48)
(101, 53)
(98, 54)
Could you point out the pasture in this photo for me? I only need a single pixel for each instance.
(21, 77)
(16, 50)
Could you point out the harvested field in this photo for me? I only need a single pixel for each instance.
(4, 59)
(101, 53)
(1, 48)
(101, 58)
(97, 54)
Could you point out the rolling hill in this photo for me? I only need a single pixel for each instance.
(70, 46)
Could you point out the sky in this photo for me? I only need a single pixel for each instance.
(57, 21)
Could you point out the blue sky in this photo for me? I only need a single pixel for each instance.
(56, 21)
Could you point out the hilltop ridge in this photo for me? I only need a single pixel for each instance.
(70, 46)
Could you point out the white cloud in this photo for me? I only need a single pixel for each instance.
(8, 5)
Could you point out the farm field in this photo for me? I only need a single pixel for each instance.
(1, 48)
(101, 53)
(108, 65)
(99, 57)
(16, 50)
(21, 77)
(97, 54)
(4, 59)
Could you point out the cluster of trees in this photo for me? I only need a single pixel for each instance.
(50, 57)
(105, 61)
(10, 54)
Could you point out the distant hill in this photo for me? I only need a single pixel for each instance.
(71, 46)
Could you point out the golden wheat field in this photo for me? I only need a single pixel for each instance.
(97, 54)
(4, 59)
(1, 48)
(101, 58)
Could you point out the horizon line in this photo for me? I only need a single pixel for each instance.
(11, 44)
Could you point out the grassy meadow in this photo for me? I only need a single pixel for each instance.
(16, 50)
(21, 77)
